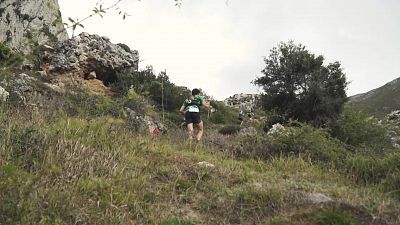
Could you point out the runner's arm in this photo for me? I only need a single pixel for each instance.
(206, 104)
(182, 110)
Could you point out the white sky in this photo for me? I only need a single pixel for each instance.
(219, 46)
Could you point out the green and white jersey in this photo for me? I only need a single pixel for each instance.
(193, 105)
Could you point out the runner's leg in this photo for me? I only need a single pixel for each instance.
(190, 130)
(199, 132)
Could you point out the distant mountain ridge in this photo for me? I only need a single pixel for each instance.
(380, 101)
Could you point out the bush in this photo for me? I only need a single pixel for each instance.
(28, 147)
(302, 140)
(359, 129)
(309, 142)
(229, 129)
(224, 114)
(273, 119)
(372, 169)
(15, 187)
(332, 215)
(366, 168)
(9, 58)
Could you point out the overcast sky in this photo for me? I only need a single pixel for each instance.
(219, 45)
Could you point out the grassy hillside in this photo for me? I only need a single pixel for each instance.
(62, 169)
(81, 158)
(380, 101)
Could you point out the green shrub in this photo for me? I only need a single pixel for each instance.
(334, 216)
(229, 129)
(15, 187)
(224, 114)
(392, 184)
(359, 129)
(146, 83)
(9, 58)
(300, 140)
(27, 147)
(366, 168)
(309, 142)
(369, 168)
(273, 119)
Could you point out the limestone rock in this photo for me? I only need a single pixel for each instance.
(276, 129)
(145, 122)
(87, 55)
(23, 86)
(205, 164)
(317, 198)
(3, 94)
(394, 116)
(91, 75)
(392, 123)
(41, 73)
(26, 22)
(242, 101)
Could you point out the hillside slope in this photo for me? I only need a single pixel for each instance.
(58, 169)
(380, 101)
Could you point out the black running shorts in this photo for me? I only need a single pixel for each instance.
(192, 117)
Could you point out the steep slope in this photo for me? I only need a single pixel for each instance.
(380, 101)
(23, 23)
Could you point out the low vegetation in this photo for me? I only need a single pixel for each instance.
(81, 159)
(83, 164)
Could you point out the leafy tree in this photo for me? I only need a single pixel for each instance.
(158, 88)
(298, 85)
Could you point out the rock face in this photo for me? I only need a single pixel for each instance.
(392, 122)
(22, 87)
(276, 130)
(88, 57)
(242, 101)
(3, 94)
(144, 122)
(23, 23)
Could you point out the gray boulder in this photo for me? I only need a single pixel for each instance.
(145, 123)
(3, 94)
(22, 86)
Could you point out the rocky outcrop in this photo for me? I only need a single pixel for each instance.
(3, 94)
(88, 57)
(145, 123)
(25, 23)
(242, 101)
(22, 87)
(276, 130)
(392, 123)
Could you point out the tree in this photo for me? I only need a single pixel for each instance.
(297, 85)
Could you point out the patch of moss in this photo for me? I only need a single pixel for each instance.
(2, 10)
(46, 31)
